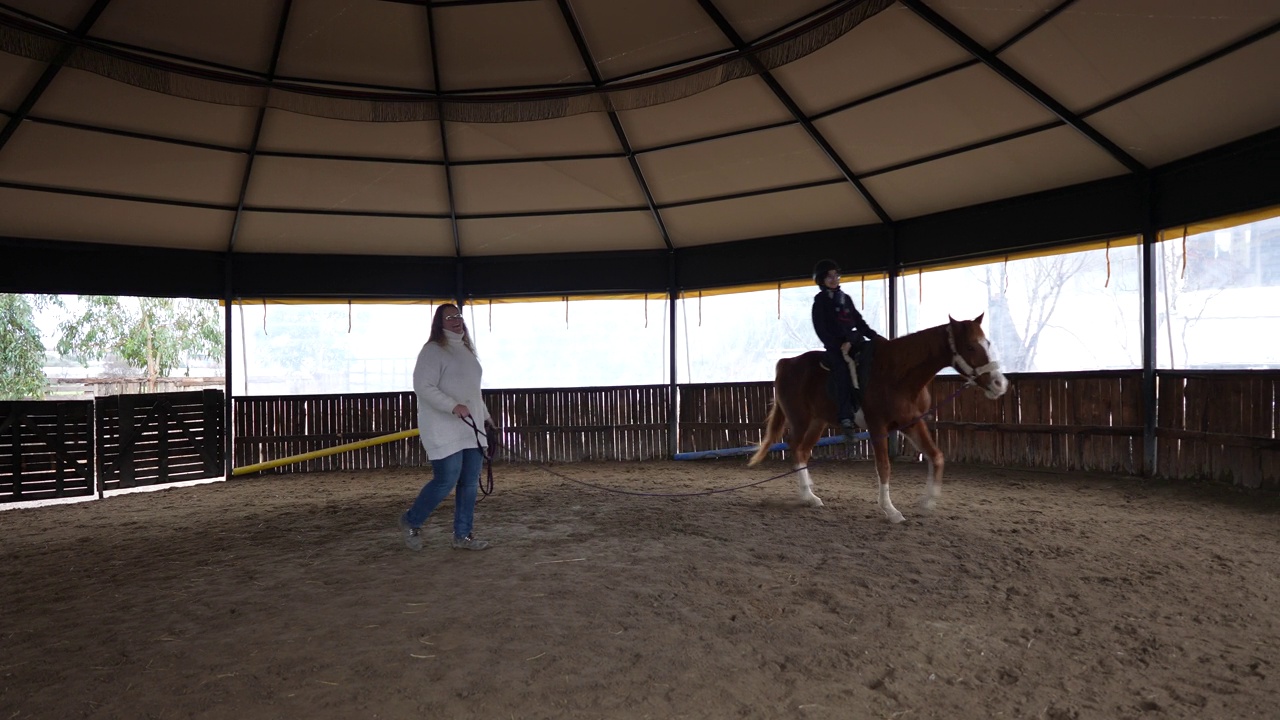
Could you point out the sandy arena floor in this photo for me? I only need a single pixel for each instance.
(1026, 595)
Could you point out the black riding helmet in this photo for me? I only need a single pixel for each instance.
(822, 268)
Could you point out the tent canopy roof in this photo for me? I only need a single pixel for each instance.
(500, 147)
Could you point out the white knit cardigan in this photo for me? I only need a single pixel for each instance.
(446, 376)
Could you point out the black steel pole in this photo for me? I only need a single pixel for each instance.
(673, 390)
(227, 404)
(1149, 328)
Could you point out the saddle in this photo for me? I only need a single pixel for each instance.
(860, 371)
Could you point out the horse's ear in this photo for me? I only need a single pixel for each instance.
(951, 320)
(978, 320)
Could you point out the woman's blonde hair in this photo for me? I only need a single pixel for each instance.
(437, 327)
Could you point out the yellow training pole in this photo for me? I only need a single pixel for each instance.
(328, 451)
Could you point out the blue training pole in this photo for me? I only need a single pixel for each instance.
(702, 454)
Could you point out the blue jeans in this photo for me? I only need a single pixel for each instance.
(460, 470)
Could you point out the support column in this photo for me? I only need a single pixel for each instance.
(1150, 325)
(895, 443)
(228, 379)
(673, 390)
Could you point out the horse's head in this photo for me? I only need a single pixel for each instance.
(973, 356)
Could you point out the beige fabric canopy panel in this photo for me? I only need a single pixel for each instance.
(218, 126)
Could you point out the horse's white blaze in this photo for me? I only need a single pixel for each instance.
(806, 488)
(999, 383)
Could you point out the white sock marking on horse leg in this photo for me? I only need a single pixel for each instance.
(930, 486)
(886, 504)
(806, 489)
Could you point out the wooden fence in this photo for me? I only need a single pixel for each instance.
(46, 450)
(1219, 426)
(71, 448)
(719, 416)
(1215, 426)
(159, 438)
(538, 425)
(273, 427)
(87, 388)
(1073, 421)
(575, 424)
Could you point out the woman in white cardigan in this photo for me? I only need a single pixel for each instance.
(447, 383)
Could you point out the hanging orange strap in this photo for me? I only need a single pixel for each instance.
(1108, 282)
(1184, 252)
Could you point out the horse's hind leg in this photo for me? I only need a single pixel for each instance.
(920, 437)
(803, 450)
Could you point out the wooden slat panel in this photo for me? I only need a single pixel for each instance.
(1219, 426)
(46, 450)
(1069, 420)
(159, 438)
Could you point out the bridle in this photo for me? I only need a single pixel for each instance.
(962, 366)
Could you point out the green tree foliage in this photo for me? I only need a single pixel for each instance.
(152, 334)
(21, 351)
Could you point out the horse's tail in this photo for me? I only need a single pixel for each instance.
(773, 428)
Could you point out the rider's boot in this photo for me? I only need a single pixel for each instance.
(849, 429)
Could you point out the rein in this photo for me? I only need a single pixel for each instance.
(933, 409)
(490, 453)
(486, 489)
(492, 448)
(666, 495)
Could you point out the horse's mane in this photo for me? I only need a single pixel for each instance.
(921, 353)
(922, 337)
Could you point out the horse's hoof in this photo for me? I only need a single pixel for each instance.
(927, 505)
(896, 518)
(812, 501)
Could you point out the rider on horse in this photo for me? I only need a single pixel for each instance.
(843, 333)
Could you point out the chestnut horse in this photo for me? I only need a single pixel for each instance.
(895, 399)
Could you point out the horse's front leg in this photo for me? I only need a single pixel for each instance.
(803, 446)
(920, 437)
(880, 447)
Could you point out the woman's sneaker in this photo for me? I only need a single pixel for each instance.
(412, 535)
(469, 543)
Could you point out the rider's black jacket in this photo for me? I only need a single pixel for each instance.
(837, 321)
